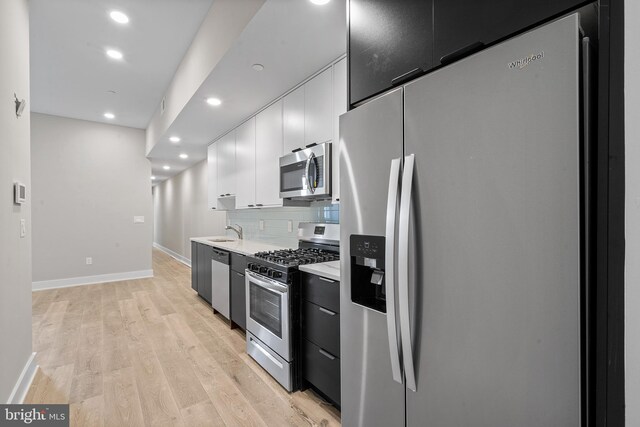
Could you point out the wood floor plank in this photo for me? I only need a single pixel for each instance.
(121, 401)
(150, 352)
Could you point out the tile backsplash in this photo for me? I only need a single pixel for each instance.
(276, 222)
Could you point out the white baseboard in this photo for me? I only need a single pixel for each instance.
(90, 280)
(186, 261)
(21, 388)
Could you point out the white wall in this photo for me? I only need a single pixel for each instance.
(15, 252)
(632, 226)
(89, 181)
(181, 212)
(221, 27)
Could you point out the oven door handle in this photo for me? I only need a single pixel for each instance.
(263, 282)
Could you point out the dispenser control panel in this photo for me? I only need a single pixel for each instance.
(367, 246)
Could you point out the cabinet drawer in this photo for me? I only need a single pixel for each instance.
(322, 369)
(321, 291)
(322, 327)
(238, 262)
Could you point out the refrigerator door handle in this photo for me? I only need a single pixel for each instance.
(403, 271)
(390, 273)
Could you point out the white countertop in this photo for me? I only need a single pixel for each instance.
(244, 247)
(330, 270)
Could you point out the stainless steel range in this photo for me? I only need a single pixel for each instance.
(273, 300)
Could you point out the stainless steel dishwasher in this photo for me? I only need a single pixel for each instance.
(220, 281)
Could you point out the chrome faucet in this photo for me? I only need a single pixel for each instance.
(238, 230)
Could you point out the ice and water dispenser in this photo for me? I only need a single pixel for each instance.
(367, 271)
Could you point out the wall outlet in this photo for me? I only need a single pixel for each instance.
(261, 225)
(89, 260)
(138, 220)
(290, 226)
(23, 227)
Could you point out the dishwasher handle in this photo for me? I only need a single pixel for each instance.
(220, 256)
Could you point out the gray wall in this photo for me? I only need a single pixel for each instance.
(181, 212)
(89, 181)
(632, 232)
(15, 252)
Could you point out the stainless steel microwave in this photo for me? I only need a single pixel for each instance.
(306, 174)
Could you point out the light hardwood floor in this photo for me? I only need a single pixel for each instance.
(150, 352)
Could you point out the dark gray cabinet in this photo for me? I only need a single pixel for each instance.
(321, 335)
(393, 41)
(387, 40)
(201, 256)
(238, 293)
(463, 24)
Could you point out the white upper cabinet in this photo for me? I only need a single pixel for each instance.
(293, 115)
(339, 108)
(246, 164)
(212, 175)
(227, 164)
(318, 109)
(269, 143)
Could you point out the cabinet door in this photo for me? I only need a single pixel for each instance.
(460, 23)
(212, 176)
(268, 152)
(238, 302)
(204, 272)
(387, 38)
(318, 109)
(194, 266)
(246, 164)
(293, 115)
(339, 107)
(227, 164)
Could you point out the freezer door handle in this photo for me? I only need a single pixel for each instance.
(403, 271)
(390, 260)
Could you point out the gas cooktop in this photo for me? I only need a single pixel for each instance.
(295, 257)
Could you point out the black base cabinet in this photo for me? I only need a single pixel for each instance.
(321, 335)
(393, 41)
(201, 256)
(238, 293)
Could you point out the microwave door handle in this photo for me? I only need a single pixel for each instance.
(311, 185)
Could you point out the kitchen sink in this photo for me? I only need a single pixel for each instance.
(221, 240)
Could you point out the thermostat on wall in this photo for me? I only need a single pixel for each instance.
(19, 193)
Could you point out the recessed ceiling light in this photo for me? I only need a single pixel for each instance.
(257, 67)
(184, 156)
(109, 115)
(152, 177)
(214, 101)
(320, 2)
(166, 167)
(174, 139)
(115, 54)
(119, 17)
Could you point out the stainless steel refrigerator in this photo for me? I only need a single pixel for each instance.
(462, 241)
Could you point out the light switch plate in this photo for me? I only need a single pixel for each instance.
(290, 226)
(89, 260)
(262, 225)
(23, 227)
(138, 220)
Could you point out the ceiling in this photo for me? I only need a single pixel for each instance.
(293, 39)
(72, 77)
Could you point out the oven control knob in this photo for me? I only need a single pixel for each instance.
(276, 274)
(250, 266)
(263, 270)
